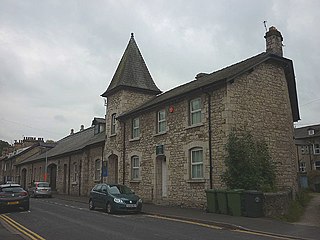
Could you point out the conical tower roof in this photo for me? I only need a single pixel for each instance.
(132, 72)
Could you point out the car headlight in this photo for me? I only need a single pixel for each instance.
(118, 200)
(140, 200)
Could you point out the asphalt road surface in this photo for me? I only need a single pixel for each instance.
(58, 219)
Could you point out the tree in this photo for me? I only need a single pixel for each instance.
(248, 163)
(3, 145)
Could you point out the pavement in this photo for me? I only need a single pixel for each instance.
(305, 229)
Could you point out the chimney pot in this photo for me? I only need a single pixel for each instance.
(81, 127)
(274, 41)
(72, 131)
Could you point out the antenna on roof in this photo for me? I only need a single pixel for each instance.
(265, 25)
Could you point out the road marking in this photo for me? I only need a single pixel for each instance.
(21, 228)
(265, 234)
(185, 221)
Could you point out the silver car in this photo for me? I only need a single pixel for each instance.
(40, 189)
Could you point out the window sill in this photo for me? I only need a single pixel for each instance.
(196, 181)
(97, 181)
(159, 134)
(134, 139)
(135, 181)
(195, 125)
(74, 183)
(113, 135)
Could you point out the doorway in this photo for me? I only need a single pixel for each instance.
(112, 169)
(161, 178)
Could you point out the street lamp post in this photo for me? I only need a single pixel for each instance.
(46, 168)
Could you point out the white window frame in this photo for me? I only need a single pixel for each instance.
(316, 149)
(195, 112)
(75, 172)
(317, 165)
(135, 127)
(113, 124)
(302, 167)
(161, 121)
(196, 164)
(135, 168)
(97, 169)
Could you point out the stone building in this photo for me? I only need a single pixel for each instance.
(18, 152)
(308, 145)
(73, 166)
(169, 147)
(307, 141)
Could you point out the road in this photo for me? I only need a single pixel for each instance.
(63, 220)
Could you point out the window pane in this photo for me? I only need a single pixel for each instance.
(195, 104)
(195, 111)
(196, 163)
(135, 167)
(195, 117)
(135, 128)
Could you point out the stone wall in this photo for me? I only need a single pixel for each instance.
(277, 204)
(259, 102)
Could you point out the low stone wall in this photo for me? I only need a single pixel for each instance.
(277, 204)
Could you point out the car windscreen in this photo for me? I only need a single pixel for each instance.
(12, 189)
(116, 189)
(43, 184)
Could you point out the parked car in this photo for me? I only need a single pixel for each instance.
(40, 189)
(13, 196)
(114, 198)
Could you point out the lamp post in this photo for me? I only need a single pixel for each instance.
(46, 168)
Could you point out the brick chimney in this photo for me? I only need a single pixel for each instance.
(274, 41)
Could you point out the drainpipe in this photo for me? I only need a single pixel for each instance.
(124, 154)
(80, 168)
(69, 175)
(209, 136)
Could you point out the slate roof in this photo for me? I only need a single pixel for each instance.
(71, 144)
(132, 72)
(302, 132)
(222, 76)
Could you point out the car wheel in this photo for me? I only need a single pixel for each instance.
(109, 208)
(91, 205)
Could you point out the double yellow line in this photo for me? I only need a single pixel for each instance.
(20, 228)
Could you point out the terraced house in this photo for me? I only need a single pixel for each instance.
(169, 147)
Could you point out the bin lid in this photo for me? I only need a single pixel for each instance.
(211, 190)
(235, 190)
(253, 192)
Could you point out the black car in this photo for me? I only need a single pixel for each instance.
(114, 198)
(13, 196)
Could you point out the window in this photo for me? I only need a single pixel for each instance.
(317, 165)
(195, 111)
(135, 128)
(162, 121)
(304, 149)
(97, 170)
(113, 124)
(75, 172)
(196, 155)
(302, 167)
(316, 148)
(311, 132)
(135, 168)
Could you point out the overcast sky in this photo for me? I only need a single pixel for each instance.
(58, 57)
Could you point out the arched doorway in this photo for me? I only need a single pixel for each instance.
(112, 169)
(52, 176)
(24, 178)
